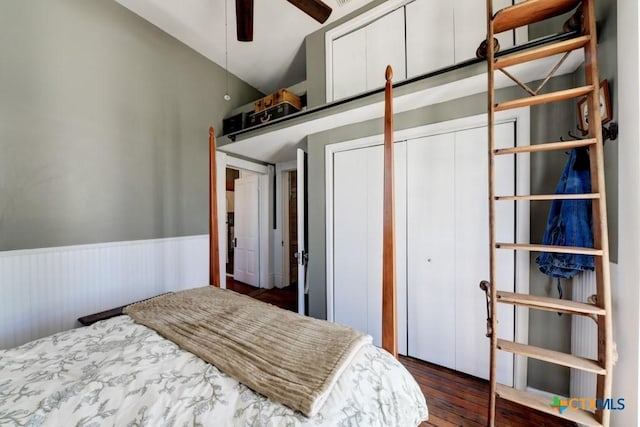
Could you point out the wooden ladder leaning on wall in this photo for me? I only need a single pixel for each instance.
(521, 14)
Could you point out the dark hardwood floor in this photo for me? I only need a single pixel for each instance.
(453, 398)
(286, 298)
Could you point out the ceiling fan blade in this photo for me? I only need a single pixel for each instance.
(244, 20)
(316, 9)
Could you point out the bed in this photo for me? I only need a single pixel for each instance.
(201, 357)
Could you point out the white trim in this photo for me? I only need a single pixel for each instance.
(301, 226)
(90, 246)
(328, 161)
(237, 163)
(521, 117)
(280, 234)
(265, 219)
(284, 224)
(221, 169)
(523, 228)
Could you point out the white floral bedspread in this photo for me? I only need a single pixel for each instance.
(119, 373)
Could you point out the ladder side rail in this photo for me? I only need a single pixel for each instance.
(601, 238)
(492, 233)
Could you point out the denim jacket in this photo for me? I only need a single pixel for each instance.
(570, 222)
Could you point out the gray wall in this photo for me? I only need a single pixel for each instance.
(548, 123)
(103, 126)
(546, 329)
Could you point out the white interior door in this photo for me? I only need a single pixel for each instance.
(301, 195)
(246, 257)
(431, 249)
(448, 249)
(472, 249)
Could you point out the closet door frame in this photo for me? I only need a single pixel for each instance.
(522, 129)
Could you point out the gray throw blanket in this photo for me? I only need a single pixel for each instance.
(287, 357)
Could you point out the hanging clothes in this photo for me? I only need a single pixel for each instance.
(570, 222)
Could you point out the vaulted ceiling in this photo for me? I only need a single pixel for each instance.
(276, 56)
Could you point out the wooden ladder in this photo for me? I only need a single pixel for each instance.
(521, 14)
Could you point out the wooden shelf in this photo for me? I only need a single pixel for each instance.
(543, 404)
(549, 146)
(541, 52)
(589, 196)
(549, 304)
(560, 95)
(550, 248)
(277, 140)
(552, 356)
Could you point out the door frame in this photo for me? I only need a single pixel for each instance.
(223, 161)
(281, 233)
(521, 118)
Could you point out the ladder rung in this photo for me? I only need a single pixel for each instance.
(550, 146)
(528, 12)
(550, 248)
(550, 197)
(544, 98)
(549, 304)
(552, 356)
(543, 404)
(542, 52)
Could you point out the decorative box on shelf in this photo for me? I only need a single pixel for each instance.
(276, 98)
(265, 116)
(233, 123)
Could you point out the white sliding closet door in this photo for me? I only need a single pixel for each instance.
(357, 270)
(448, 249)
(431, 249)
(350, 238)
(472, 249)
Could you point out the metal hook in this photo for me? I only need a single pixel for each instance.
(484, 285)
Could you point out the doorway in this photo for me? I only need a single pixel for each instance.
(231, 175)
(292, 220)
(291, 234)
(243, 226)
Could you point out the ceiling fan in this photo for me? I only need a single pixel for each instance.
(316, 9)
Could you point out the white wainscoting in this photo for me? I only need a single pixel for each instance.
(43, 291)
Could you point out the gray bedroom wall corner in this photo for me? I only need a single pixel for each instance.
(103, 126)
